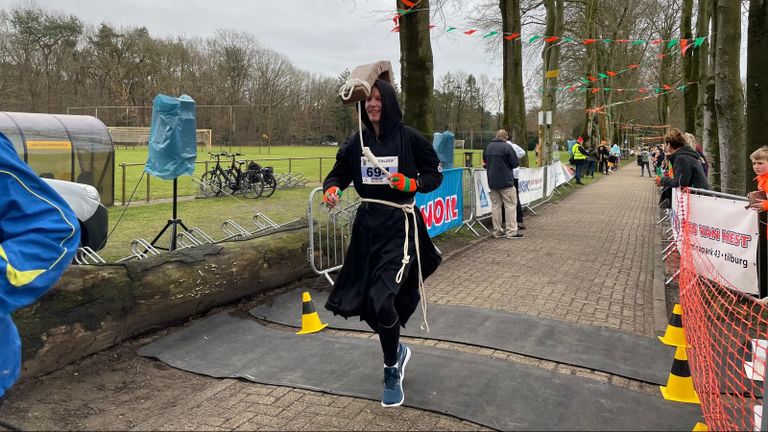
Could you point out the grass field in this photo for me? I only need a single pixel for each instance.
(140, 220)
(313, 162)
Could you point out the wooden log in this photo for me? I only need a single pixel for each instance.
(95, 307)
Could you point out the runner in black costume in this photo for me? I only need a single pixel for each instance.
(366, 286)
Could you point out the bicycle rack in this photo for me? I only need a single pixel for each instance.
(137, 252)
(86, 255)
(234, 231)
(289, 180)
(263, 223)
(186, 240)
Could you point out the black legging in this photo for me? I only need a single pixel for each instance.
(388, 328)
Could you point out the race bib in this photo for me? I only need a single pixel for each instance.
(373, 175)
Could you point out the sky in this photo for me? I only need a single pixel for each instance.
(317, 36)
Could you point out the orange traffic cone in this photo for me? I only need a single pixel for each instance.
(310, 320)
(675, 336)
(679, 386)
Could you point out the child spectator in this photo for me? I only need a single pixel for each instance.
(759, 160)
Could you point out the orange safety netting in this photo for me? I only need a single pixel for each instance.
(727, 334)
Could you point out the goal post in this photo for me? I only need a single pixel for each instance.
(139, 136)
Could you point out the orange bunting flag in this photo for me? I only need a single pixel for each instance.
(591, 78)
(512, 36)
(431, 26)
(396, 29)
(642, 90)
(622, 40)
(595, 90)
(551, 39)
(410, 4)
(633, 66)
(611, 73)
(470, 32)
(684, 46)
(660, 56)
(666, 87)
(589, 41)
(657, 41)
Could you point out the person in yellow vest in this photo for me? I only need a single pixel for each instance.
(579, 157)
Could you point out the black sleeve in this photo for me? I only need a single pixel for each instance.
(426, 163)
(340, 176)
(683, 171)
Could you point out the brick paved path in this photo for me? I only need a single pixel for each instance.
(587, 259)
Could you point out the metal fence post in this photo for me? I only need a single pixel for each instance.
(320, 179)
(124, 179)
(289, 165)
(148, 188)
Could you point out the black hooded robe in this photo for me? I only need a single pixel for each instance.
(367, 279)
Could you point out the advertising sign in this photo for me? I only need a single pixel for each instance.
(442, 208)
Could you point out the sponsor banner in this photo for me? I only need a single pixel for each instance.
(531, 183)
(556, 176)
(725, 233)
(482, 193)
(442, 208)
(49, 145)
(566, 173)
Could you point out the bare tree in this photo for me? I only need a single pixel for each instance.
(514, 96)
(729, 99)
(757, 81)
(416, 67)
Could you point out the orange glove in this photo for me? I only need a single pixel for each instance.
(331, 196)
(402, 183)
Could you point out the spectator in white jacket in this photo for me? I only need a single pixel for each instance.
(516, 173)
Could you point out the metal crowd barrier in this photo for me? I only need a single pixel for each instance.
(330, 231)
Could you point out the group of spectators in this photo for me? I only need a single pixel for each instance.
(586, 159)
(681, 163)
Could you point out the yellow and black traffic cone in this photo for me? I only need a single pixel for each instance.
(700, 427)
(310, 320)
(674, 335)
(679, 386)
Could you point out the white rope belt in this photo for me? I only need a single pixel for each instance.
(408, 209)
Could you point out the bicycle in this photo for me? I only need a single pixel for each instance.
(218, 180)
(267, 177)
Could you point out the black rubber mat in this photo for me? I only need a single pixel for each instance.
(495, 393)
(618, 353)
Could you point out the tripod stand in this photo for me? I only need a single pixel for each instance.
(172, 223)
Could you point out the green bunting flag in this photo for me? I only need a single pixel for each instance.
(699, 40)
(493, 33)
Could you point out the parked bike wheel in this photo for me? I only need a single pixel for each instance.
(255, 183)
(270, 184)
(210, 185)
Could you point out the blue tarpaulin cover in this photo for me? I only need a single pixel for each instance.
(172, 146)
(443, 145)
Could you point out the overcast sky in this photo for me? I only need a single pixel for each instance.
(320, 36)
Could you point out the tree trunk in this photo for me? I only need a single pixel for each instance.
(729, 99)
(551, 62)
(710, 138)
(690, 96)
(416, 68)
(591, 67)
(757, 81)
(95, 307)
(699, 57)
(514, 95)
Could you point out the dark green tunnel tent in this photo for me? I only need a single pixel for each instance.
(65, 147)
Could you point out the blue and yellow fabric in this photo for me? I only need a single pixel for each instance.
(39, 235)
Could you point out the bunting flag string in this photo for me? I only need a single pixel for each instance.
(601, 109)
(645, 89)
(636, 126)
(684, 44)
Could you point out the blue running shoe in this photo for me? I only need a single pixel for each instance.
(403, 355)
(393, 387)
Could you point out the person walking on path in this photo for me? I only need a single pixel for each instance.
(520, 152)
(579, 158)
(379, 281)
(685, 170)
(501, 160)
(602, 154)
(592, 157)
(645, 161)
(39, 235)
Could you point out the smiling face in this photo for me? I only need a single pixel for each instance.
(373, 106)
(760, 166)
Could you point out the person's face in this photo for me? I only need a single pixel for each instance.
(668, 148)
(760, 166)
(373, 105)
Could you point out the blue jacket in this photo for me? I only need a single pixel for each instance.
(39, 235)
